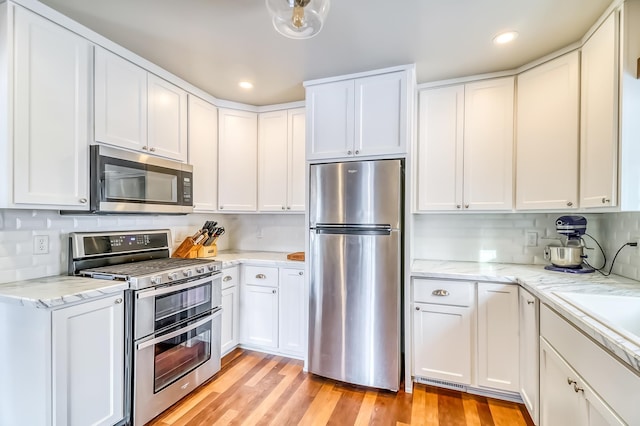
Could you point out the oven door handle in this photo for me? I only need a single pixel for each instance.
(176, 333)
(142, 294)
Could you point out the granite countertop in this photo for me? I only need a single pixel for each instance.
(51, 292)
(267, 258)
(543, 284)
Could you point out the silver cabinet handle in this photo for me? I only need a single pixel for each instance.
(83, 200)
(569, 204)
(282, 207)
(145, 147)
(227, 278)
(261, 276)
(530, 302)
(458, 206)
(273, 291)
(577, 388)
(357, 152)
(440, 292)
(118, 301)
(605, 200)
(349, 152)
(466, 206)
(288, 207)
(570, 381)
(300, 273)
(417, 308)
(152, 149)
(221, 207)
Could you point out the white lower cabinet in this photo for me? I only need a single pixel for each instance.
(529, 353)
(273, 310)
(580, 383)
(292, 330)
(230, 333)
(498, 336)
(69, 361)
(462, 341)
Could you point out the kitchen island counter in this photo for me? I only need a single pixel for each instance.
(544, 284)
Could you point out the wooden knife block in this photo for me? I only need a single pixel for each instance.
(208, 251)
(188, 249)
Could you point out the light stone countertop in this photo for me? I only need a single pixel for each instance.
(55, 291)
(543, 284)
(267, 258)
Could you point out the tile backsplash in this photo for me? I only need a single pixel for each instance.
(19, 227)
(464, 237)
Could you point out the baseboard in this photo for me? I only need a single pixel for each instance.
(489, 393)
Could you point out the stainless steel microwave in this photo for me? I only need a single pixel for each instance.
(129, 182)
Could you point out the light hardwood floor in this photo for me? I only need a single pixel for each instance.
(255, 388)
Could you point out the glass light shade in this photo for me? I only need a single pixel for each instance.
(298, 18)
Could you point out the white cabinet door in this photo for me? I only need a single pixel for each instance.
(230, 319)
(167, 119)
(273, 160)
(203, 153)
(488, 144)
(442, 342)
(498, 336)
(120, 101)
(296, 186)
(292, 330)
(259, 313)
(529, 353)
(237, 162)
(330, 120)
(381, 114)
(558, 402)
(547, 135)
(51, 95)
(440, 149)
(599, 117)
(88, 362)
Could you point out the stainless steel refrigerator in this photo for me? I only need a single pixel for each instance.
(355, 215)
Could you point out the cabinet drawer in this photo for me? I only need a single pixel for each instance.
(229, 277)
(261, 275)
(440, 292)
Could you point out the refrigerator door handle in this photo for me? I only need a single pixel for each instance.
(354, 230)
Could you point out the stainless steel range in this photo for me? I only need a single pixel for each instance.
(174, 313)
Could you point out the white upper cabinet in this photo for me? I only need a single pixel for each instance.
(238, 160)
(281, 160)
(488, 144)
(366, 116)
(120, 101)
(599, 117)
(547, 135)
(203, 153)
(465, 147)
(440, 148)
(137, 110)
(167, 119)
(51, 99)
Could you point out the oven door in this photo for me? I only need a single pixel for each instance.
(159, 308)
(170, 365)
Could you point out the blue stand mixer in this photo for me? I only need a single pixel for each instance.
(569, 257)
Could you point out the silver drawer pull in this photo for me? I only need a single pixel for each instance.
(261, 276)
(440, 292)
(118, 301)
(227, 278)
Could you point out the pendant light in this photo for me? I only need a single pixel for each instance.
(298, 18)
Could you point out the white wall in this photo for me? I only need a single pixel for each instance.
(18, 228)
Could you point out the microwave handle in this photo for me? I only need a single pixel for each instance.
(171, 288)
(176, 333)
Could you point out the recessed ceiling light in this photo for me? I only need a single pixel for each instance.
(505, 37)
(245, 85)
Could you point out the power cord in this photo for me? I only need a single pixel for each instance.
(634, 244)
(604, 256)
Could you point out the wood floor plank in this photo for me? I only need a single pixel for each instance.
(322, 406)
(258, 389)
(366, 408)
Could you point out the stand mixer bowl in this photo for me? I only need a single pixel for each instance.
(564, 256)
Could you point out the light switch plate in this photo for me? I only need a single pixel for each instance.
(41, 244)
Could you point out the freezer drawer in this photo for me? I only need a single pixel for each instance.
(354, 323)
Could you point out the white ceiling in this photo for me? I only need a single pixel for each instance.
(214, 44)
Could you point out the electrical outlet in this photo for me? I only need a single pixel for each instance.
(531, 239)
(41, 244)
